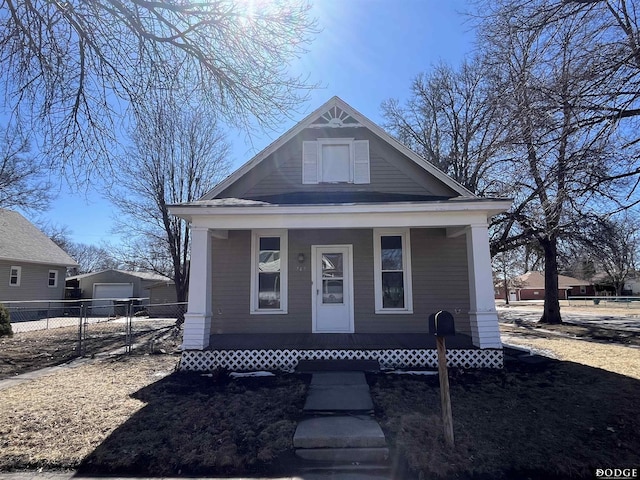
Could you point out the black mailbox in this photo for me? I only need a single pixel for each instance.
(441, 324)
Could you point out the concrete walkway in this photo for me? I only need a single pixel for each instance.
(43, 372)
(340, 432)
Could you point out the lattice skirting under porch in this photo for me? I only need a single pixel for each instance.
(286, 359)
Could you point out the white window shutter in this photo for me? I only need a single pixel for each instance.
(309, 162)
(361, 162)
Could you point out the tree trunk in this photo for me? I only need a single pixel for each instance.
(182, 287)
(551, 312)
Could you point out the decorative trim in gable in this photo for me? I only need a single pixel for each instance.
(312, 120)
(335, 117)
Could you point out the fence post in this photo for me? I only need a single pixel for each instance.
(128, 326)
(80, 320)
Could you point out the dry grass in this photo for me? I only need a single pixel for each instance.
(615, 358)
(57, 420)
(134, 415)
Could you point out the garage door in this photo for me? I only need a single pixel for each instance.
(104, 295)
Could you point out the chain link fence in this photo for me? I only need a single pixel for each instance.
(47, 333)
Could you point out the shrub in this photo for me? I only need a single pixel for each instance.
(5, 322)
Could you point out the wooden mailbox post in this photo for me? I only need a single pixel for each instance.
(441, 324)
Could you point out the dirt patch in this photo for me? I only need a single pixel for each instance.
(28, 351)
(553, 421)
(135, 415)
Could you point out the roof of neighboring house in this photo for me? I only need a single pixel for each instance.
(143, 275)
(356, 118)
(21, 241)
(165, 283)
(536, 280)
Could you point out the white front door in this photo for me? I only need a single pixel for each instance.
(332, 294)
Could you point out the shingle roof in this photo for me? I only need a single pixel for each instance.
(143, 275)
(21, 241)
(536, 280)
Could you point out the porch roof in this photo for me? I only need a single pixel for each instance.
(239, 213)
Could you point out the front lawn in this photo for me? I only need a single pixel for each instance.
(135, 415)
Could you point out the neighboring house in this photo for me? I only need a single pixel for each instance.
(632, 285)
(32, 266)
(530, 286)
(337, 242)
(163, 300)
(112, 284)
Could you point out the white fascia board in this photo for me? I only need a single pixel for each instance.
(492, 207)
(341, 216)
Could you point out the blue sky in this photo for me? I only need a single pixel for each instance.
(367, 51)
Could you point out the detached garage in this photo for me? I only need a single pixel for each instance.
(105, 296)
(111, 284)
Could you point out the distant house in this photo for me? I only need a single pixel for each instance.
(632, 285)
(162, 299)
(338, 242)
(107, 286)
(113, 283)
(530, 286)
(32, 266)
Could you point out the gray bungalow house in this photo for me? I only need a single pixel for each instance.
(337, 242)
(32, 266)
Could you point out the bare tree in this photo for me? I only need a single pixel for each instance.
(563, 165)
(506, 267)
(22, 183)
(178, 154)
(90, 258)
(72, 69)
(613, 244)
(453, 120)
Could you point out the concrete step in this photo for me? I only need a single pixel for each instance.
(311, 366)
(346, 472)
(338, 398)
(356, 431)
(345, 456)
(338, 378)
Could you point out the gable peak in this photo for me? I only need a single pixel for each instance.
(334, 116)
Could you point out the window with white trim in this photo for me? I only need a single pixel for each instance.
(392, 271)
(335, 160)
(15, 275)
(269, 271)
(53, 278)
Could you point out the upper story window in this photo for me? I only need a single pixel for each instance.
(335, 160)
(14, 276)
(53, 278)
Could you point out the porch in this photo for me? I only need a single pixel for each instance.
(284, 351)
(333, 341)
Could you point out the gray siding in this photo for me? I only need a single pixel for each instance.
(391, 172)
(112, 276)
(164, 293)
(439, 274)
(34, 282)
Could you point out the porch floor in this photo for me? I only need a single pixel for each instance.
(333, 341)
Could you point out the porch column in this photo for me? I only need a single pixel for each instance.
(197, 320)
(482, 315)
